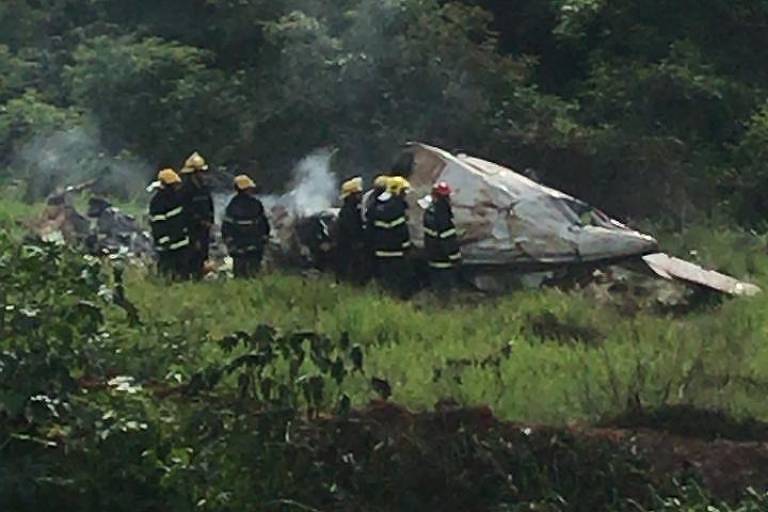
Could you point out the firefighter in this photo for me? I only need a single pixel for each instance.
(391, 237)
(351, 256)
(245, 228)
(169, 226)
(199, 212)
(440, 239)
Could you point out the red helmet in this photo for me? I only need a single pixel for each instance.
(442, 189)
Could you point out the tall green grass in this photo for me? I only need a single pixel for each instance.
(714, 358)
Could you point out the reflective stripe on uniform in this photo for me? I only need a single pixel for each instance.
(440, 265)
(179, 244)
(167, 215)
(407, 244)
(445, 234)
(174, 212)
(389, 225)
(164, 240)
(455, 256)
(390, 254)
(230, 220)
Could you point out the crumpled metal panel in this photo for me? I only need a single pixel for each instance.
(504, 217)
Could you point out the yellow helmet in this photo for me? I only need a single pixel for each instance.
(397, 185)
(168, 177)
(381, 181)
(244, 182)
(353, 186)
(194, 163)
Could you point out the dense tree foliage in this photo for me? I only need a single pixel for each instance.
(649, 108)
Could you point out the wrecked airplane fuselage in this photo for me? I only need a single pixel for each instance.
(507, 219)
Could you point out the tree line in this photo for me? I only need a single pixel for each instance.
(648, 109)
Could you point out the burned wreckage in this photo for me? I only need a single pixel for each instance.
(103, 231)
(511, 225)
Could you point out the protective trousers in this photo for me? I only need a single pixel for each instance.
(200, 238)
(247, 265)
(395, 276)
(443, 279)
(173, 265)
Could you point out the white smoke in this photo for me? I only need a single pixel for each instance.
(220, 202)
(313, 189)
(69, 157)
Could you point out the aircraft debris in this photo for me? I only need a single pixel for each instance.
(105, 230)
(671, 268)
(508, 219)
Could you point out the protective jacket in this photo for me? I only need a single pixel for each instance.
(198, 202)
(391, 237)
(245, 227)
(440, 240)
(167, 220)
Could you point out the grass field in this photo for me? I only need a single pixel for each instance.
(542, 356)
(538, 355)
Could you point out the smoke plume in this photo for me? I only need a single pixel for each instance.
(53, 161)
(314, 186)
(313, 189)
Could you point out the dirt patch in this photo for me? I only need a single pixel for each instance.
(691, 422)
(724, 468)
(443, 448)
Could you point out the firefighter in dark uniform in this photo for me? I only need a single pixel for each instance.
(440, 239)
(198, 204)
(245, 229)
(169, 226)
(392, 238)
(351, 256)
